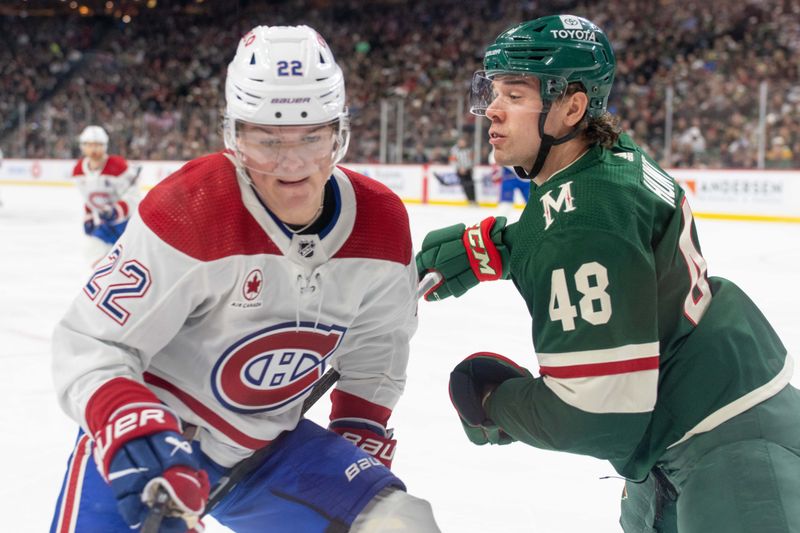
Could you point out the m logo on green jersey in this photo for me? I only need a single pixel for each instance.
(550, 206)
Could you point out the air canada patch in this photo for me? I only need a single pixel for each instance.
(250, 291)
(252, 285)
(273, 367)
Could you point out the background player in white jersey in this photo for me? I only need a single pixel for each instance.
(673, 376)
(108, 187)
(242, 277)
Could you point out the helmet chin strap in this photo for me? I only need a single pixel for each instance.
(548, 141)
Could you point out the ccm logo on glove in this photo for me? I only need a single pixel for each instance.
(485, 261)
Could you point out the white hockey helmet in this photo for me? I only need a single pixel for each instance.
(285, 76)
(94, 134)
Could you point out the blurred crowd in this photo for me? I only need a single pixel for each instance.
(156, 83)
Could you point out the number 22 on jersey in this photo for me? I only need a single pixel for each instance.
(138, 283)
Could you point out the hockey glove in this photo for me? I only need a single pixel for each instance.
(138, 448)
(369, 436)
(108, 215)
(88, 225)
(470, 383)
(107, 232)
(464, 256)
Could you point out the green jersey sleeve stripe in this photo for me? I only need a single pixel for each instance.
(601, 369)
(605, 355)
(634, 392)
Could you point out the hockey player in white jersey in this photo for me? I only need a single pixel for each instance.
(108, 187)
(240, 280)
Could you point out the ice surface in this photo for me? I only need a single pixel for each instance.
(472, 489)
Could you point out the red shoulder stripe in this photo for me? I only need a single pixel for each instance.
(199, 211)
(77, 170)
(115, 165)
(381, 228)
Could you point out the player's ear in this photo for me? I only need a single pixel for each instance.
(575, 108)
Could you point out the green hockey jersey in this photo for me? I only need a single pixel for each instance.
(638, 348)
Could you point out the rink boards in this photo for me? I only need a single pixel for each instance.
(758, 195)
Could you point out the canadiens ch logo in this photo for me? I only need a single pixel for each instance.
(273, 367)
(100, 200)
(252, 285)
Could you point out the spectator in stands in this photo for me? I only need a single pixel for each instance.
(779, 154)
(713, 59)
(418, 155)
(691, 143)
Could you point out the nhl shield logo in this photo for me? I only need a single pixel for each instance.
(273, 367)
(306, 248)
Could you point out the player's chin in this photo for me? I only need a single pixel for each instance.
(502, 158)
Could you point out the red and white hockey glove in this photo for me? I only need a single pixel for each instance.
(373, 438)
(364, 424)
(464, 256)
(138, 448)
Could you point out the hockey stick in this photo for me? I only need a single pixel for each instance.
(244, 467)
(241, 469)
(431, 280)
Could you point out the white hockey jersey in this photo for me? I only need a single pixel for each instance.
(230, 318)
(112, 187)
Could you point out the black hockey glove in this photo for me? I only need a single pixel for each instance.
(470, 382)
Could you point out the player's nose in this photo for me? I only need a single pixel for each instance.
(494, 113)
(292, 159)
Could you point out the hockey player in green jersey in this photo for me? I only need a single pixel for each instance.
(674, 377)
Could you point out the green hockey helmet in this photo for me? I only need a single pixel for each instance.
(557, 50)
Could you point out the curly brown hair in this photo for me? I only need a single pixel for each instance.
(603, 130)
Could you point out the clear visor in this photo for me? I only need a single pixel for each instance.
(506, 91)
(289, 151)
(93, 147)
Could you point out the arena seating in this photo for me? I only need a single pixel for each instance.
(159, 91)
